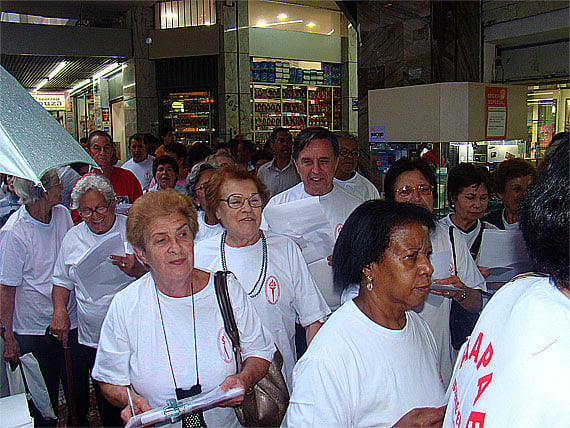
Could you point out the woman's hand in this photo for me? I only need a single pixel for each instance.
(11, 347)
(139, 404)
(453, 281)
(234, 381)
(129, 264)
(59, 326)
(422, 417)
(469, 298)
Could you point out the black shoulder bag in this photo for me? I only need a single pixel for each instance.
(461, 321)
(265, 404)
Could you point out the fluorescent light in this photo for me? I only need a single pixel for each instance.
(170, 15)
(41, 84)
(80, 85)
(270, 24)
(106, 70)
(261, 23)
(311, 24)
(282, 16)
(130, 85)
(330, 32)
(57, 69)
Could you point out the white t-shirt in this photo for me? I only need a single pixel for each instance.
(337, 205)
(288, 293)
(357, 373)
(359, 186)
(141, 170)
(507, 225)
(90, 313)
(277, 180)
(513, 371)
(206, 230)
(132, 347)
(470, 236)
(28, 251)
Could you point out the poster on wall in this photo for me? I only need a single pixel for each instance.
(377, 134)
(544, 135)
(52, 101)
(497, 112)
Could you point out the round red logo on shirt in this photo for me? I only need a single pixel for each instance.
(337, 230)
(272, 290)
(225, 346)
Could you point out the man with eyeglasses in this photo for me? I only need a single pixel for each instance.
(315, 153)
(346, 174)
(279, 174)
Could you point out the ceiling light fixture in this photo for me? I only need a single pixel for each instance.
(282, 16)
(311, 24)
(271, 24)
(330, 32)
(80, 85)
(41, 84)
(106, 70)
(57, 69)
(261, 23)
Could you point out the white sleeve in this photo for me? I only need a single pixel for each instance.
(309, 303)
(467, 270)
(319, 398)
(255, 340)
(113, 353)
(61, 274)
(13, 254)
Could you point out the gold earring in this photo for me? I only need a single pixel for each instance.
(369, 284)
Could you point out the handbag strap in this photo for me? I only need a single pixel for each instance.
(477, 243)
(452, 240)
(221, 287)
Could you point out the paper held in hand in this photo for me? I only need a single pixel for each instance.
(504, 252)
(442, 263)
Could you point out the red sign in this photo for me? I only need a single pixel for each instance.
(497, 110)
(544, 135)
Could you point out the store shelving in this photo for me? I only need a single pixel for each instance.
(191, 114)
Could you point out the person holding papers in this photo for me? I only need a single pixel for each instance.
(163, 337)
(92, 278)
(269, 266)
(513, 371)
(458, 278)
(313, 211)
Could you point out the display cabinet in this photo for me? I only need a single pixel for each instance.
(191, 114)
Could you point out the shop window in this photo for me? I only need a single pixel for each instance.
(19, 18)
(185, 13)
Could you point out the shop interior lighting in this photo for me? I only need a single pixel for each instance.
(262, 23)
(80, 85)
(330, 32)
(106, 70)
(282, 16)
(57, 69)
(41, 84)
(311, 24)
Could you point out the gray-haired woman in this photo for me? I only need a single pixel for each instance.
(196, 183)
(94, 198)
(29, 242)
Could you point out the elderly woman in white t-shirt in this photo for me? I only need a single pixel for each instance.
(164, 335)
(270, 267)
(93, 288)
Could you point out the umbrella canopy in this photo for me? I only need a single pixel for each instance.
(32, 141)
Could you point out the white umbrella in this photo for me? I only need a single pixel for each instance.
(32, 141)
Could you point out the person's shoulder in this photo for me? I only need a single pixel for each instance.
(207, 245)
(264, 168)
(123, 173)
(279, 240)
(128, 164)
(130, 296)
(292, 194)
(341, 193)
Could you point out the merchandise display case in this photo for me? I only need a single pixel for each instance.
(191, 114)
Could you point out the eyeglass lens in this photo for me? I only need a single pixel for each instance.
(235, 201)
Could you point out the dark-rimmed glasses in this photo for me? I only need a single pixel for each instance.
(407, 191)
(352, 153)
(235, 201)
(88, 212)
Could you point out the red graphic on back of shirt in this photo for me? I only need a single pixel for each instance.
(272, 290)
(225, 346)
(337, 230)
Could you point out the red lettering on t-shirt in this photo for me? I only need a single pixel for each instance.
(487, 356)
(476, 420)
(456, 411)
(465, 356)
(482, 384)
(476, 347)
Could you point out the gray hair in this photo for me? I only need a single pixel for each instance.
(29, 192)
(194, 176)
(347, 135)
(94, 182)
(214, 159)
(311, 133)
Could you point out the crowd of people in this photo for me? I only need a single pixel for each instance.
(376, 307)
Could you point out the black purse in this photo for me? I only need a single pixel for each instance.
(461, 321)
(265, 404)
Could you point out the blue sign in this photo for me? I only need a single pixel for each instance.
(377, 134)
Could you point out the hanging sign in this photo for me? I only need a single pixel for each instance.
(51, 101)
(497, 111)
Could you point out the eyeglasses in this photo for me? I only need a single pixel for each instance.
(352, 153)
(236, 201)
(407, 191)
(201, 187)
(88, 212)
(283, 141)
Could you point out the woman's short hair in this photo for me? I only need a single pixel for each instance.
(164, 160)
(194, 176)
(466, 175)
(94, 182)
(153, 205)
(311, 133)
(366, 235)
(405, 165)
(509, 169)
(219, 157)
(544, 213)
(29, 192)
(223, 175)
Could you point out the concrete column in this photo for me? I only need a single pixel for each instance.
(234, 104)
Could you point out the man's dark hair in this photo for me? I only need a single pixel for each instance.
(178, 149)
(138, 137)
(165, 130)
(163, 160)
(99, 134)
(366, 235)
(404, 165)
(197, 153)
(274, 133)
(311, 133)
(544, 213)
(466, 175)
